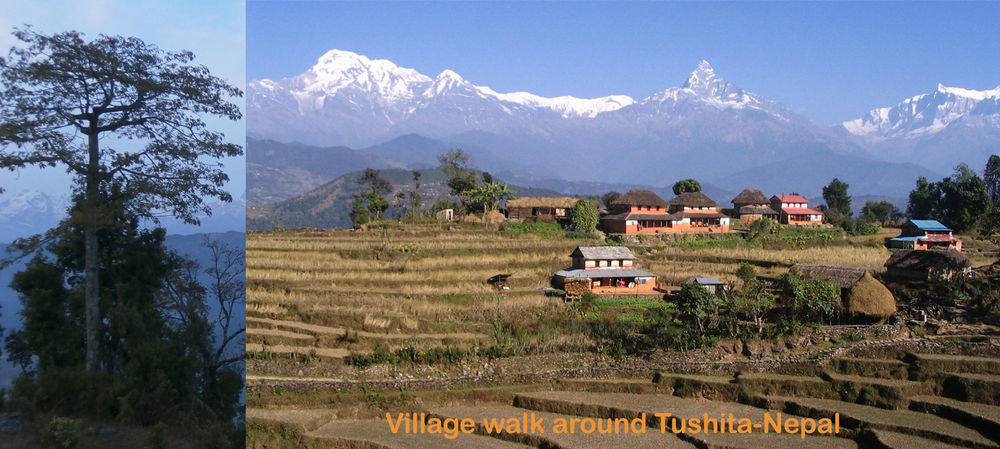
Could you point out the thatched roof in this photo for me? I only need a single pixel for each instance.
(693, 199)
(603, 252)
(548, 201)
(870, 298)
(920, 260)
(750, 196)
(842, 277)
(639, 198)
(757, 210)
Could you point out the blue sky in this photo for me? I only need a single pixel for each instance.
(213, 30)
(828, 61)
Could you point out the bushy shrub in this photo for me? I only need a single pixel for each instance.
(62, 432)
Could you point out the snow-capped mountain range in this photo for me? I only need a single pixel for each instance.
(706, 127)
(940, 128)
(927, 114)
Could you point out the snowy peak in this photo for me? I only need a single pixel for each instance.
(928, 114)
(702, 77)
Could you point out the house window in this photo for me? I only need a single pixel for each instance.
(642, 280)
(604, 263)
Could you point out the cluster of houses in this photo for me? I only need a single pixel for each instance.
(645, 212)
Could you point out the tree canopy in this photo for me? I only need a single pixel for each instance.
(60, 95)
(835, 195)
(584, 216)
(686, 185)
(960, 201)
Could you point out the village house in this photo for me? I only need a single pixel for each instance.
(925, 234)
(644, 212)
(794, 210)
(539, 209)
(751, 205)
(605, 270)
(638, 211)
(695, 212)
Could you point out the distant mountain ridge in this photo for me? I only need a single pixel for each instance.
(707, 128)
(936, 129)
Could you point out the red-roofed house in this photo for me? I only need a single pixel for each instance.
(794, 210)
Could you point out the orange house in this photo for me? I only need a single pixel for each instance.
(794, 210)
(924, 235)
(638, 212)
(644, 212)
(608, 269)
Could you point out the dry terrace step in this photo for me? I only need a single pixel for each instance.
(903, 421)
(893, 393)
(625, 405)
(780, 384)
(305, 418)
(376, 433)
(982, 417)
(329, 353)
(893, 440)
(984, 388)
(614, 385)
(884, 368)
(617, 436)
(326, 330)
(955, 363)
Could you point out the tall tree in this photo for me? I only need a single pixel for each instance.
(835, 195)
(455, 165)
(61, 96)
(686, 185)
(925, 200)
(964, 199)
(584, 216)
(880, 211)
(416, 201)
(375, 187)
(992, 178)
(609, 198)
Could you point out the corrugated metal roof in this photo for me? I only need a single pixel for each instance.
(603, 252)
(601, 273)
(791, 199)
(929, 225)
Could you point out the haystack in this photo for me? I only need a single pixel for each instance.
(870, 298)
(576, 287)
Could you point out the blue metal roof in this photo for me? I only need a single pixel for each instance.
(906, 239)
(598, 273)
(929, 225)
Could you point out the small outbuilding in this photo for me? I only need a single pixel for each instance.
(606, 270)
(935, 263)
(713, 285)
(543, 209)
(751, 205)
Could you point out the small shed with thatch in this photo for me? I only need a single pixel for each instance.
(544, 209)
(751, 205)
(870, 299)
(863, 297)
(842, 277)
(936, 263)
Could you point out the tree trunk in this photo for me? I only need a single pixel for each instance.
(92, 292)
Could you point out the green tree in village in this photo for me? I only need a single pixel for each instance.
(487, 197)
(992, 178)
(964, 199)
(697, 304)
(813, 301)
(455, 165)
(881, 211)
(416, 201)
(925, 200)
(609, 198)
(837, 200)
(584, 216)
(686, 185)
(375, 188)
(61, 96)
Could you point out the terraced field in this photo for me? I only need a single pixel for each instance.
(891, 413)
(413, 288)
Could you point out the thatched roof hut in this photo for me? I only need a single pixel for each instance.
(937, 263)
(870, 298)
(750, 196)
(842, 277)
(639, 198)
(692, 199)
(564, 202)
